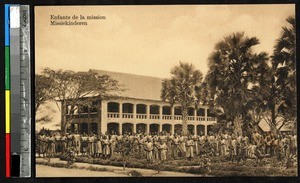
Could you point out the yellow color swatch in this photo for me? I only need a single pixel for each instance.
(7, 111)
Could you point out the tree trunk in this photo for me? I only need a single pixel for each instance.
(273, 127)
(63, 116)
(184, 121)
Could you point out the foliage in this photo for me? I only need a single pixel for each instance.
(214, 166)
(182, 88)
(284, 65)
(232, 72)
(135, 173)
(78, 89)
(43, 90)
(274, 98)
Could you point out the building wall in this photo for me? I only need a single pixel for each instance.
(147, 120)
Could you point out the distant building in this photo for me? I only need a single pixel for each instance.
(264, 127)
(138, 109)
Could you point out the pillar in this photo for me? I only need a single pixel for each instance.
(205, 129)
(134, 128)
(159, 127)
(120, 110)
(134, 113)
(148, 111)
(205, 114)
(104, 116)
(173, 129)
(100, 119)
(195, 115)
(147, 128)
(195, 129)
(120, 129)
(172, 113)
(160, 112)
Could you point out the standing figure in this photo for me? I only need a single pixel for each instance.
(63, 140)
(233, 148)
(106, 149)
(196, 149)
(99, 146)
(84, 144)
(189, 148)
(149, 149)
(163, 151)
(156, 152)
(174, 147)
(77, 143)
(51, 146)
(223, 146)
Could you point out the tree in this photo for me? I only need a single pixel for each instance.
(79, 89)
(42, 90)
(283, 108)
(182, 88)
(232, 73)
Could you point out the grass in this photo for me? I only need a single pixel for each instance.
(134, 173)
(219, 166)
(65, 165)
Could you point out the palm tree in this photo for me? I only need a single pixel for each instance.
(284, 68)
(181, 88)
(232, 73)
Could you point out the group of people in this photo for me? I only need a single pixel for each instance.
(164, 146)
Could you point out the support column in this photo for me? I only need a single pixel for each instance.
(134, 128)
(120, 110)
(172, 113)
(120, 128)
(173, 129)
(134, 111)
(104, 116)
(205, 130)
(160, 112)
(206, 115)
(148, 128)
(195, 129)
(159, 128)
(148, 111)
(100, 119)
(195, 114)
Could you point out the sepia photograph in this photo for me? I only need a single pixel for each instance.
(166, 91)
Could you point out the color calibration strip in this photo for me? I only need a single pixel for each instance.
(25, 93)
(17, 91)
(7, 92)
(15, 101)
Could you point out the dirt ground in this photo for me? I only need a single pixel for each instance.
(114, 171)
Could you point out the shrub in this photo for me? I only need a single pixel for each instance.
(135, 173)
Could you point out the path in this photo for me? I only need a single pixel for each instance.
(115, 171)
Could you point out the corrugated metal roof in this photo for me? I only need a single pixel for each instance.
(266, 128)
(136, 86)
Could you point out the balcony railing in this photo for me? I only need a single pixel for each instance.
(154, 116)
(191, 118)
(127, 115)
(141, 116)
(200, 118)
(211, 119)
(167, 117)
(177, 117)
(113, 115)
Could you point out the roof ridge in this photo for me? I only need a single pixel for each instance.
(95, 70)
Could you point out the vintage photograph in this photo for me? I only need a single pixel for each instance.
(165, 91)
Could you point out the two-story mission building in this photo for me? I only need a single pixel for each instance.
(138, 109)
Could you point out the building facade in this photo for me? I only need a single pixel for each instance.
(138, 109)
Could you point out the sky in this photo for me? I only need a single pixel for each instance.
(150, 40)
